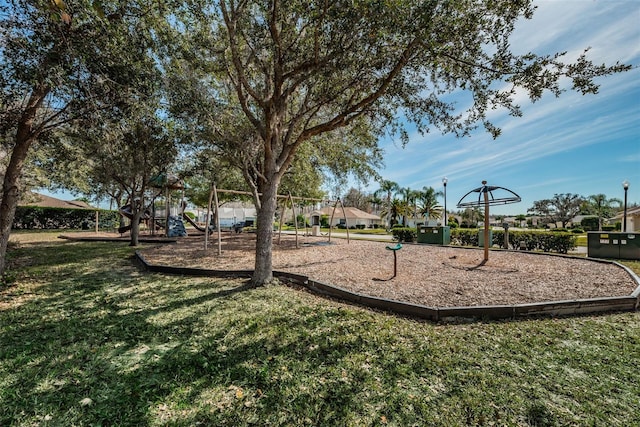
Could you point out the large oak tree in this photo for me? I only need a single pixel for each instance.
(301, 69)
(59, 61)
(560, 208)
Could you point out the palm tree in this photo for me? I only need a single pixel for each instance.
(395, 209)
(407, 197)
(599, 205)
(375, 202)
(428, 201)
(471, 216)
(387, 188)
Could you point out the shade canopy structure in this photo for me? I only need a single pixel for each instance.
(167, 181)
(486, 198)
(488, 191)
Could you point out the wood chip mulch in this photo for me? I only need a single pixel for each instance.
(428, 275)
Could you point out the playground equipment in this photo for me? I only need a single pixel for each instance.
(394, 249)
(486, 193)
(194, 224)
(172, 224)
(127, 212)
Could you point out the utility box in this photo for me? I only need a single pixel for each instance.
(613, 245)
(434, 235)
(481, 238)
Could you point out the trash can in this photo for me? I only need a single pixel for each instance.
(434, 235)
(315, 230)
(481, 238)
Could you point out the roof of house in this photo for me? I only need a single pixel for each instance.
(633, 211)
(37, 199)
(349, 211)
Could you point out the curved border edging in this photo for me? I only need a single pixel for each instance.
(551, 308)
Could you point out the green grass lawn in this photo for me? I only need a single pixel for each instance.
(581, 240)
(86, 338)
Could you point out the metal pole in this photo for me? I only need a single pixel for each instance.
(395, 264)
(445, 221)
(625, 185)
(486, 221)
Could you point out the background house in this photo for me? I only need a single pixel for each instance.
(40, 200)
(633, 219)
(354, 217)
(231, 213)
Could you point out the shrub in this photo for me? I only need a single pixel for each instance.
(590, 223)
(464, 237)
(300, 219)
(609, 228)
(545, 241)
(38, 218)
(577, 230)
(404, 234)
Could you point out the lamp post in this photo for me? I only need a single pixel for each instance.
(444, 182)
(625, 185)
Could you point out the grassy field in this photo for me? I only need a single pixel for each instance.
(86, 338)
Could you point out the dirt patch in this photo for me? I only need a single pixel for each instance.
(427, 275)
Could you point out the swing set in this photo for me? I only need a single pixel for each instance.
(213, 198)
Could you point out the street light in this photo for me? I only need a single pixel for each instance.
(625, 185)
(444, 182)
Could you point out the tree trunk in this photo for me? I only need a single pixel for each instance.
(263, 272)
(135, 228)
(25, 135)
(137, 210)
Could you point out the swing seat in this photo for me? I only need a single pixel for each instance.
(394, 248)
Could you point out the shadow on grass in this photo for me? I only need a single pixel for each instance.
(99, 343)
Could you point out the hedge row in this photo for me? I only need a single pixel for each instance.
(404, 234)
(38, 218)
(547, 241)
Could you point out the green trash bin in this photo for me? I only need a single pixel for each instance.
(630, 246)
(613, 245)
(481, 238)
(603, 245)
(434, 235)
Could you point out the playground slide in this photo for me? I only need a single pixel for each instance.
(126, 212)
(195, 225)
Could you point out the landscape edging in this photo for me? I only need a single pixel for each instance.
(550, 308)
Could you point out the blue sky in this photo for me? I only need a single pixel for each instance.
(573, 144)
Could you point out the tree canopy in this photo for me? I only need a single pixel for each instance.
(560, 208)
(268, 83)
(601, 206)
